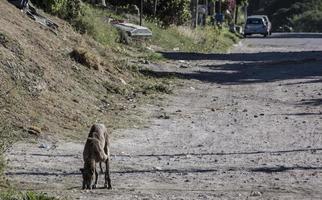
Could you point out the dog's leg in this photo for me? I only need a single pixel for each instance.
(102, 171)
(107, 184)
(96, 177)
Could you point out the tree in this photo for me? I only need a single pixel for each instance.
(239, 3)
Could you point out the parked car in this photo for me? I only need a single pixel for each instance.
(268, 23)
(257, 25)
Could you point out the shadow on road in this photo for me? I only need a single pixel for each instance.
(288, 36)
(276, 169)
(273, 169)
(243, 57)
(312, 102)
(250, 73)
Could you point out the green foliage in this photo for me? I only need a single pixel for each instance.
(167, 11)
(91, 21)
(24, 196)
(171, 11)
(292, 13)
(310, 21)
(66, 9)
(207, 39)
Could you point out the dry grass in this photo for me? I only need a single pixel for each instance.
(86, 58)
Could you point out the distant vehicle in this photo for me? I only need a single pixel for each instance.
(256, 25)
(268, 23)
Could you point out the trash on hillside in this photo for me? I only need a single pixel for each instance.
(27, 8)
(132, 30)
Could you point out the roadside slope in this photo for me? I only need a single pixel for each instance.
(43, 87)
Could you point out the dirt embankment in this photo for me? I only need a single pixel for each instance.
(44, 88)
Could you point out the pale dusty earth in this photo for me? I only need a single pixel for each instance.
(243, 125)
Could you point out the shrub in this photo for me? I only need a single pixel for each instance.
(24, 196)
(66, 9)
(310, 21)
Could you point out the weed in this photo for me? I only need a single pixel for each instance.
(86, 58)
(30, 195)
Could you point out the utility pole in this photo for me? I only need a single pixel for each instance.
(155, 8)
(197, 14)
(236, 14)
(141, 12)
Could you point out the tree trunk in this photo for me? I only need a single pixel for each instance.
(141, 11)
(155, 8)
(236, 14)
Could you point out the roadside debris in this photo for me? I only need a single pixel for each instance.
(255, 194)
(33, 130)
(132, 30)
(28, 9)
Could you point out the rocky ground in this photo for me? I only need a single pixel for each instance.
(243, 125)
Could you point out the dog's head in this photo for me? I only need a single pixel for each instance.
(88, 178)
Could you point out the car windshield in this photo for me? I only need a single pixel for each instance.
(254, 21)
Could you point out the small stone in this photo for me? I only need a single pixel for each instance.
(255, 194)
(255, 116)
(44, 146)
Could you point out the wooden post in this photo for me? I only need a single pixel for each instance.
(236, 14)
(155, 8)
(141, 12)
(197, 14)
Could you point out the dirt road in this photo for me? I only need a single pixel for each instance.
(244, 125)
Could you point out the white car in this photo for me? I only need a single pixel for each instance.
(256, 25)
(268, 23)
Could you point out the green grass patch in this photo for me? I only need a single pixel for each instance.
(205, 39)
(93, 21)
(12, 195)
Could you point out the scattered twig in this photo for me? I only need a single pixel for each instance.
(7, 92)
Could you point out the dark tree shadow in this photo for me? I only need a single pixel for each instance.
(262, 56)
(302, 114)
(312, 102)
(296, 35)
(236, 74)
(276, 169)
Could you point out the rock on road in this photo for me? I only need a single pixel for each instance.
(244, 125)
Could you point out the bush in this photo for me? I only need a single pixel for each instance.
(66, 9)
(168, 11)
(173, 12)
(310, 21)
(92, 21)
(24, 196)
